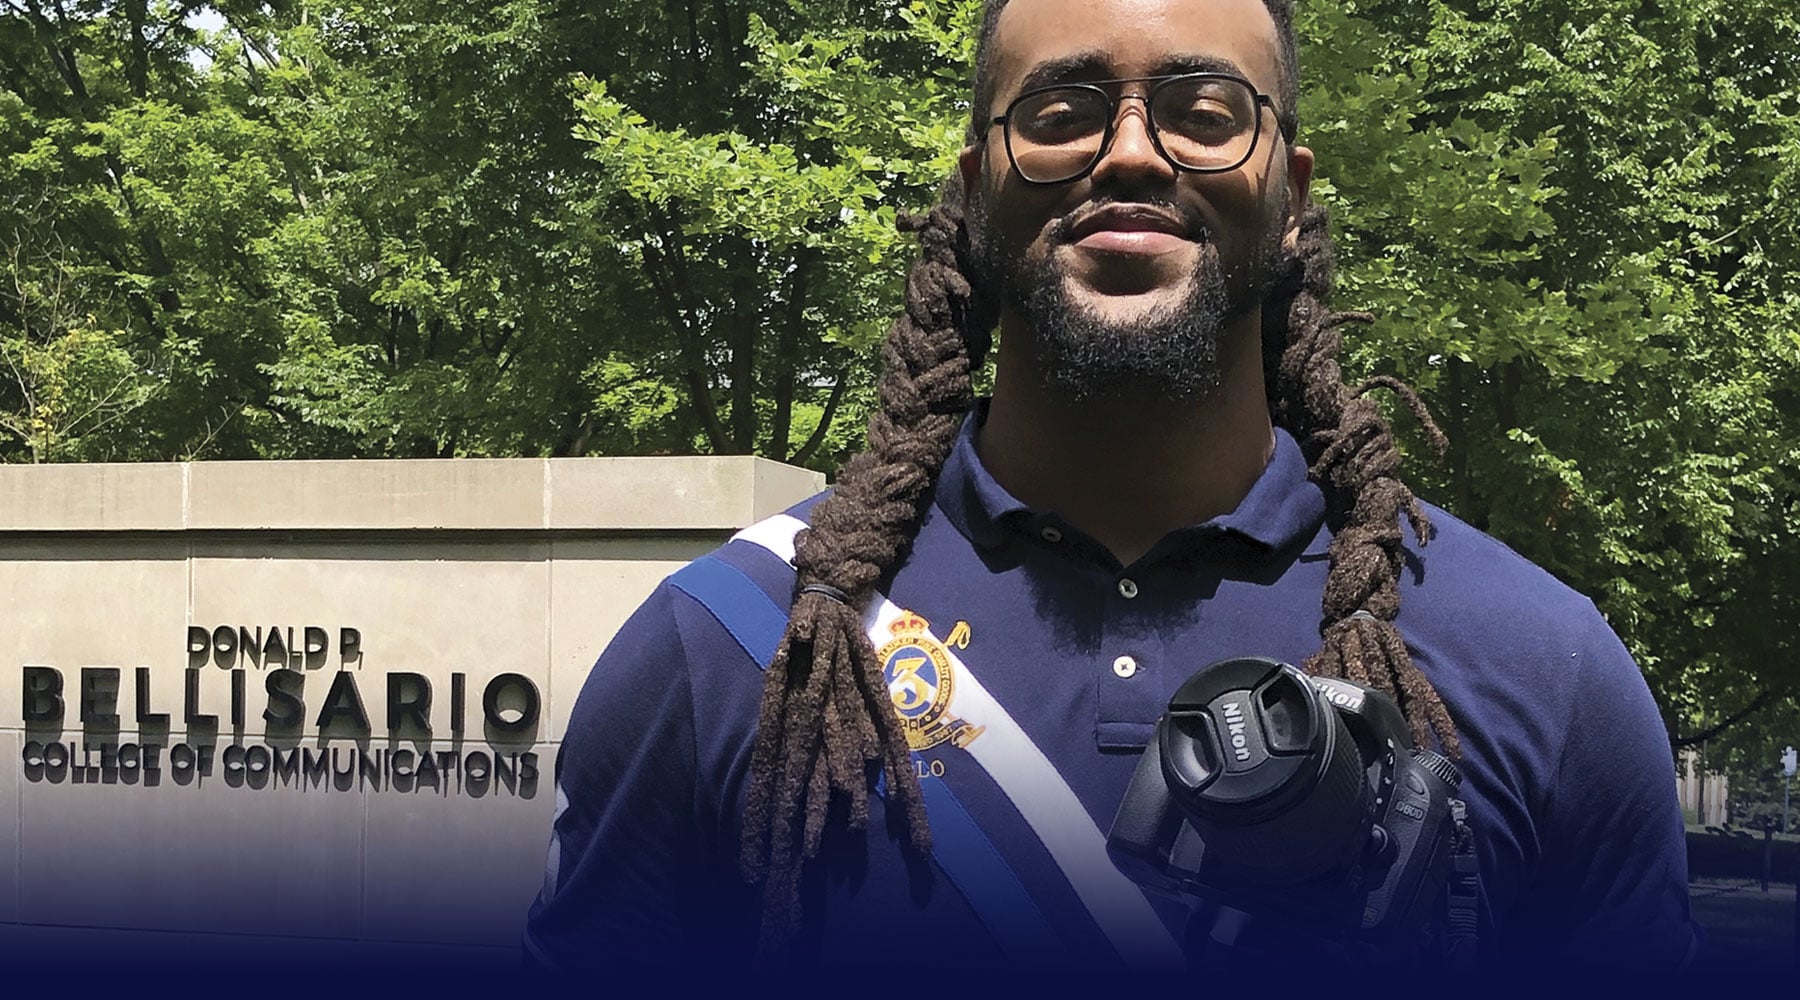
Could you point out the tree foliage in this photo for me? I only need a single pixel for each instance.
(1569, 217)
(530, 227)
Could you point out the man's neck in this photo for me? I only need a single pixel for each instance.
(1124, 471)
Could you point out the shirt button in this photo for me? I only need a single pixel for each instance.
(1051, 535)
(1125, 666)
(1128, 588)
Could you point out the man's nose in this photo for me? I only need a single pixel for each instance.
(1133, 153)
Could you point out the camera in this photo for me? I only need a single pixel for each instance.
(1296, 799)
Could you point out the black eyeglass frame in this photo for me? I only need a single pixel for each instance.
(1260, 99)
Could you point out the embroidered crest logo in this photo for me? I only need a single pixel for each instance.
(920, 678)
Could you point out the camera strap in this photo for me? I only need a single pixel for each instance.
(1031, 786)
(959, 845)
(1463, 895)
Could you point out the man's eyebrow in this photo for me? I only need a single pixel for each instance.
(1061, 69)
(1198, 63)
(1094, 65)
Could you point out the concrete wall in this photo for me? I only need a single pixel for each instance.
(250, 837)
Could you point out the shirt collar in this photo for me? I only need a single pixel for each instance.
(1283, 508)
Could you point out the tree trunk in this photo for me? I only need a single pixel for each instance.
(696, 62)
(805, 453)
(137, 60)
(1462, 489)
(787, 347)
(666, 271)
(1512, 382)
(743, 324)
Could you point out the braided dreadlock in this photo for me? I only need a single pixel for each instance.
(1353, 457)
(826, 714)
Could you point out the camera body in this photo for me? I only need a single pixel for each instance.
(1292, 798)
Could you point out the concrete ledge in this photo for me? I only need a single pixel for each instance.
(471, 493)
(637, 494)
(672, 492)
(99, 497)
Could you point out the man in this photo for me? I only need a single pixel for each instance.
(994, 605)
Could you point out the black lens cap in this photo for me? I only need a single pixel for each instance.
(1242, 738)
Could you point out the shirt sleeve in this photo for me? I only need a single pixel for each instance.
(635, 872)
(1612, 882)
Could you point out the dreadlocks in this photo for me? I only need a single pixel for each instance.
(826, 714)
(1353, 457)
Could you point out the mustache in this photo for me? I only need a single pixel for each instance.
(1193, 224)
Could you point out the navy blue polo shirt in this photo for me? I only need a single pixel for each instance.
(1064, 660)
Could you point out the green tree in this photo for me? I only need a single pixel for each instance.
(66, 378)
(529, 227)
(751, 171)
(1569, 218)
(421, 228)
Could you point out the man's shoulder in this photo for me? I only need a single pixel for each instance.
(763, 551)
(1501, 630)
(1465, 571)
(750, 575)
(1508, 643)
(702, 633)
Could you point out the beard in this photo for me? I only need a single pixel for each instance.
(1169, 353)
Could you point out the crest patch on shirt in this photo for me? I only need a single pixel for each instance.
(921, 678)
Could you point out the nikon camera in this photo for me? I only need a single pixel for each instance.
(1295, 799)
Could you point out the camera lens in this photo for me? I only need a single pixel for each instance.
(1265, 770)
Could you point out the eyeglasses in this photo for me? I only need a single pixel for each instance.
(1200, 122)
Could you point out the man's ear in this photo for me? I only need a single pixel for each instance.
(969, 162)
(1299, 178)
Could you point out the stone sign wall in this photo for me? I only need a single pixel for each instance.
(313, 708)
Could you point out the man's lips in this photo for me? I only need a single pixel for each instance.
(1130, 229)
(1141, 241)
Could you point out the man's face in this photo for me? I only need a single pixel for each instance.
(1128, 278)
